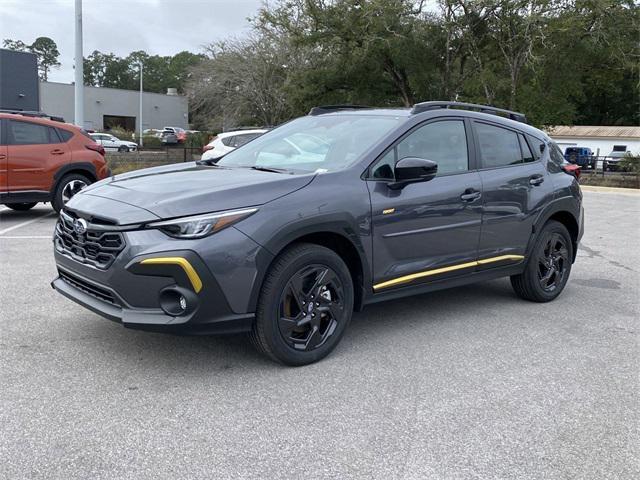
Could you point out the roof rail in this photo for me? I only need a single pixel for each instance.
(32, 113)
(332, 108)
(426, 106)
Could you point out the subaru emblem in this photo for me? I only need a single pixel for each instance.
(80, 226)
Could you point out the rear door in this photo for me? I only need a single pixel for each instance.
(430, 230)
(35, 152)
(516, 186)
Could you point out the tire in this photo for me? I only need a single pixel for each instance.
(548, 266)
(123, 148)
(21, 207)
(68, 186)
(303, 327)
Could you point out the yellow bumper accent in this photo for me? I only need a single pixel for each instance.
(193, 276)
(436, 271)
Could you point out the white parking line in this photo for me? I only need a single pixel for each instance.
(27, 237)
(24, 224)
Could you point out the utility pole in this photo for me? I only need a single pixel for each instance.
(79, 70)
(140, 111)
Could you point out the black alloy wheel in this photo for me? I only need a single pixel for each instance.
(552, 263)
(310, 307)
(548, 265)
(305, 305)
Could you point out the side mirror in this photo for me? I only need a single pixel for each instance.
(413, 170)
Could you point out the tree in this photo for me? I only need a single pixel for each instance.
(44, 48)
(243, 81)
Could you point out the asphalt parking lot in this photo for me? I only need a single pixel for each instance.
(468, 383)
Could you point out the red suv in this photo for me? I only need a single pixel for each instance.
(44, 160)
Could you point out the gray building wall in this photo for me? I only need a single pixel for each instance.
(18, 80)
(158, 110)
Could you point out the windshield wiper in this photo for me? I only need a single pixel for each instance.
(269, 169)
(210, 162)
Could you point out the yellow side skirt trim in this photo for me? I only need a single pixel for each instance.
(193, 276)
(460, 266)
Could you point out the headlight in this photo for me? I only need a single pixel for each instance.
(199, 226)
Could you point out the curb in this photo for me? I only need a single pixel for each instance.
(627, 191)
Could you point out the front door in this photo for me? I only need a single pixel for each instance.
(426, 231)
(35, 153)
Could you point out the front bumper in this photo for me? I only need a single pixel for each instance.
(219, 285)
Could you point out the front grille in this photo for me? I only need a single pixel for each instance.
(94, 247)
(89, 288)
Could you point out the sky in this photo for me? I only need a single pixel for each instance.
(159, 27)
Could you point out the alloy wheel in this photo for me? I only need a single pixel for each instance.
(71, 188)
(553, 262)
(311, 305)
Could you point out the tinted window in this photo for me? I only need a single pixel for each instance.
(556, 154)
(384, 166)
(24, 133)
(527, 155)
(498, 146)
(65, 134)
(242, 139)
(537, 146)
(53, 136)
(228, 141)
(443, 142)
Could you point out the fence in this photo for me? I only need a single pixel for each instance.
(121, 162)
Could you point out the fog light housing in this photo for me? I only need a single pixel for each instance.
(176, 301)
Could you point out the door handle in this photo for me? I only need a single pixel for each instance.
(470, 195)
(57, 151)
(536, 180)
(2, 156)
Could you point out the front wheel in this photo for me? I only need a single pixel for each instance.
(67, 188)
(305, 305)
(21, 207)
(123, 149)
(548, 267)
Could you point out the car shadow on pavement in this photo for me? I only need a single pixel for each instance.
(194, 355)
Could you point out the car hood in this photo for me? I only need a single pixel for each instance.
(187, 189)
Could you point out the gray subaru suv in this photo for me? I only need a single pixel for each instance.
(286, 236)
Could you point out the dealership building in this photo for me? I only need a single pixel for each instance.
(104, 108)
(601, 140)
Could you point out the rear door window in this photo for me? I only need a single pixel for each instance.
(537, 146)
(26, 133)
(499, 147)
(527, 154)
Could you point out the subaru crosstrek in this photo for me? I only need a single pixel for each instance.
(285, 243)
(45, 160)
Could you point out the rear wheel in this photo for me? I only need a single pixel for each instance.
(67, 188)
(21, 207)
(548, 268)
(305, 305)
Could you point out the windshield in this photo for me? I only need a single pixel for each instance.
(309, 144)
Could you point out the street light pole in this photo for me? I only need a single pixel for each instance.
(79, 69)
(140, 111)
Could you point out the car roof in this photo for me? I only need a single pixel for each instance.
(241, 132)
(40, 120)
(442, 112)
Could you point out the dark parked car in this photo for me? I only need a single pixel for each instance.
(286, 243)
